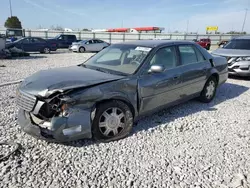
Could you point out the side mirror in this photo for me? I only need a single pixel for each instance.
(156, 69)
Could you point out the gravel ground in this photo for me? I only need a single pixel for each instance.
(189, 145)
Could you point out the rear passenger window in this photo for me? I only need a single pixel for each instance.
(189, 55)
(200, 57)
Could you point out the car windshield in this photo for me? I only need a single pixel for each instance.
(57, 36)
(120, 58)
(239, 44)
(82, 41)
(19, 40)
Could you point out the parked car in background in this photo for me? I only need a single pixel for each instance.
(237, 52)
(33, 44)
(222, 43)
(92, 45)
(205, 43)
(63, 40)
(102, 97)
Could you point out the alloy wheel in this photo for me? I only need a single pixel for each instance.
(210, 89)
(112, 122)
(46, 50)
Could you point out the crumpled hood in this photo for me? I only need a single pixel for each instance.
(46, 82)
(231, 52)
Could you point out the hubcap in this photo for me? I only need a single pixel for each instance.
(111, 122)
(210, 89)
(81, 50)
(46, 50)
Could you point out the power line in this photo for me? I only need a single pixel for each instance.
(187, 25)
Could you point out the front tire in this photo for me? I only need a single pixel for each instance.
(81, 49)
(46, 50)
(113, 121)
(209, 90)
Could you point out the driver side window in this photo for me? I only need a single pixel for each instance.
(26, 41)
(165, 57)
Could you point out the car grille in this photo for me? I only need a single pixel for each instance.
(25, 101)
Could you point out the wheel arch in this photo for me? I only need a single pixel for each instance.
(216, 75)
(81, 47)
(122, 99)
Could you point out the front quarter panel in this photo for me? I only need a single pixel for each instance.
(124, 89)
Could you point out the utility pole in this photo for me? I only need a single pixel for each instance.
(244, 21)
(10, 8)
(187, 26)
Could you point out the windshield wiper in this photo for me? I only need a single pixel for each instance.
(101, 70)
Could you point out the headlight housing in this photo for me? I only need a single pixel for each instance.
(65, 110)
(243, 59)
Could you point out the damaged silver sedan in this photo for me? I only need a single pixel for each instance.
(103, 97)
(237, 53)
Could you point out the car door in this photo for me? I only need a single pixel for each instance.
(89, 45)
(163, 88)
(37, 44)
(97, 45)
(26, 45)
(195, 69)
(61, 41)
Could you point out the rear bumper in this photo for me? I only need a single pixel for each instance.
(223, 78)
(63, 129)
(53, 48)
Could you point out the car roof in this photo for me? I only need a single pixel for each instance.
(155, 43)
(243, 37)
(32, 37)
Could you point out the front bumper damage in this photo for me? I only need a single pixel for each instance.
(61, 129)
(239, 68)
(73, 125)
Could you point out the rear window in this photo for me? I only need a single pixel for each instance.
(239, 44)
(71, 37)
(205, 40)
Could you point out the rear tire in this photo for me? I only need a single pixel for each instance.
(209, 90)
(208, 47)
(46, 50)
(113, 121)
(81, 49)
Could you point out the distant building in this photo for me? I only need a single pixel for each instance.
(68, 30)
